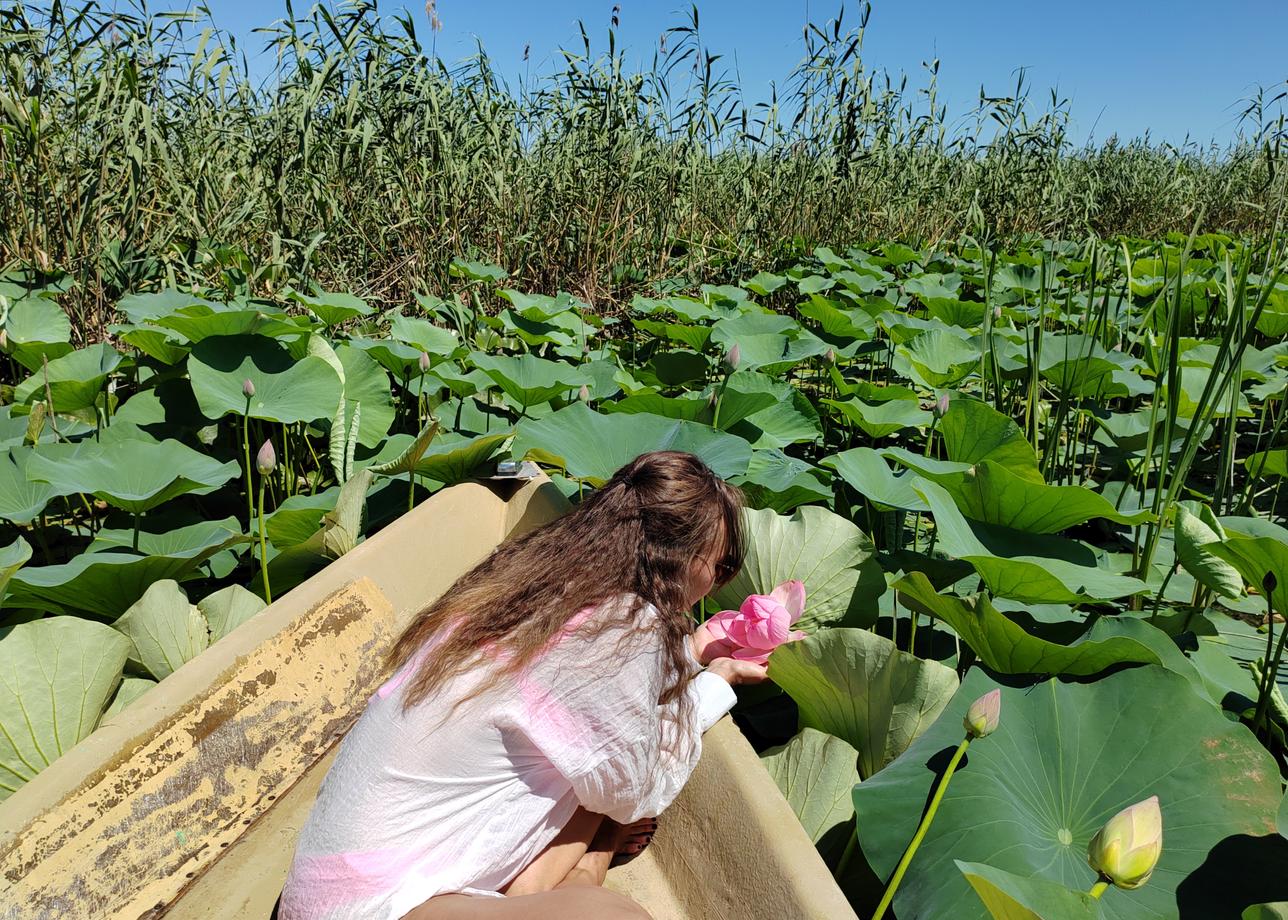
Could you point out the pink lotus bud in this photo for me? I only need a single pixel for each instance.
(941, 405)
(266, 459)
(830, 356)
(733, 357)
(248, 388)
(584, 393)
(984, 714)
(424, 362)
(1127, 848)
(997, 313)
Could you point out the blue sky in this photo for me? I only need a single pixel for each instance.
(1172, 67)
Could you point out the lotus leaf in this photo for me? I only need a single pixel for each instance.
(200, 322)
(864, 469)
(1192, 536)
(106, 583)
(21, 499)
(1267, 463)
(56, 676)
(75, 380)
(177, 542)
(592, 446)
(332, 307)
(1007, 896)
(131, 689)
(286, 390)
(131, 474)
(12, 558)
(164, 630)
(689, 408)
(775, 480)
(138, 308)
(836, 561)
(974, 431)
(476, 271)
(228, 608)
(885, 418)
(1064, 759)
(530, 380)
(695, 337)
(1004, 646)
(1037, 579)
(424, 335)
(36, 329)
(815, 772)
(450, 458)
(792, 420)
(856, 685)
(367, 385)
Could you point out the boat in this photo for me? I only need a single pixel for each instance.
(187, 803)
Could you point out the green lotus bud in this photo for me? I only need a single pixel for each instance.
(266, 459)
(984, 714)
(1127, 848)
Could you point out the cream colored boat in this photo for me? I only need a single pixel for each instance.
(187, 803)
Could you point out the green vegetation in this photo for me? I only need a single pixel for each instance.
(1054, 467)
(138, 152)
(1028, 439)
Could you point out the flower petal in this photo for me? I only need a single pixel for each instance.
(791, 594)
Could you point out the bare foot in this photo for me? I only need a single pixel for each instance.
(624, 841)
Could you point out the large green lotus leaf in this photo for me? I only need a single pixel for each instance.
(836, 561)
(21, 499)
(764, 283)
(864, 469)
(1065, 758)
(12, 558)
(689, 408)
(1192, 536)
(197, 323)
(166, 345)
(107, 583)
(75, 380)
(1257, 559)
(815, 772)
(746, 393)
(778, 481)
(229, 608)
(1024, 577)
(450, 458)
(858, 686)
(1268, 463)
(476, 271)
(791, 420)
(1007, 896)
(423, 335)
(694, 337)
(366, 384)
(530, 380)
(565, 330)
(1244, 644)
(883, 418)
(974, 431)
(673, 368)
(968, 314)
(131, 689)
(298, 517)
(138, 308)
(164, 629)
(1003, 645)
(538, 306)
(36, 328)
(178, 542)
(837, 323)
(592, 446)
(991, 493)
(332, 307)
(401, 360)
(938, 358)
(131, 474)
(56, 675)
(286, 390)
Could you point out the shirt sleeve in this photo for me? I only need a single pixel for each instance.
(589, 705)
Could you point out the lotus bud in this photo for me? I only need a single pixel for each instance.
(733, 357)
(1127, 848)
(424, 362)
(584, 393)
(997, 313)
(248, 388)
(4, 340)
(266, 459)
(941, 405)
(830, 356)
(984, 714)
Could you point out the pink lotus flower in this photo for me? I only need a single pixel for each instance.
(755, 629)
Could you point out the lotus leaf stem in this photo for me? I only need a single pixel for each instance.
(900, 869)
(263, 551)
(250, 501)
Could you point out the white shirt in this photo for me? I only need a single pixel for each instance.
(424, 803)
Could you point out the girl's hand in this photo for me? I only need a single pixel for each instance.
(738, 672)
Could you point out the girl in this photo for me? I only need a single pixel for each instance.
(541, 713)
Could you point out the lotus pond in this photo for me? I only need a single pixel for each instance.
(1052, 472)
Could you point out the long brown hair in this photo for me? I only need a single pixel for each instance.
(636, 535)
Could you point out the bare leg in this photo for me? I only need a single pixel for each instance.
(559, 857)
